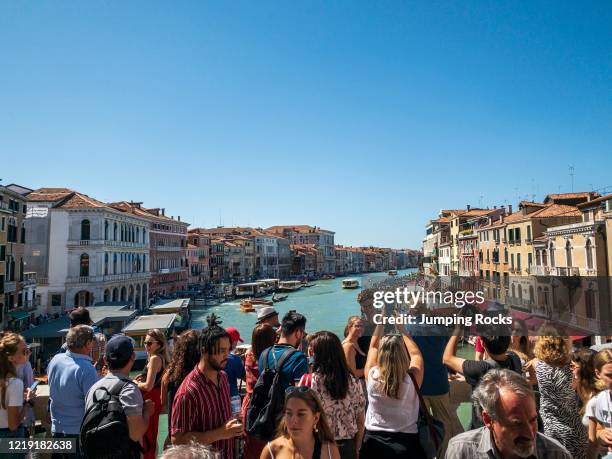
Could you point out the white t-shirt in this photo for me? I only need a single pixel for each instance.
(603, 408)
(390, 414)
(14, 397)
(589, 411)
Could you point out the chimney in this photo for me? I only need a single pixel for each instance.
(468, 207)
(509, 209)
(179, 218)
(163, 212)
(494, 207)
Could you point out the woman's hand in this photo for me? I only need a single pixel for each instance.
(29, 395)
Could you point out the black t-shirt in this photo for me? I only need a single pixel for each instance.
(474, 370)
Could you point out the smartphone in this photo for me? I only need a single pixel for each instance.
(34, 386)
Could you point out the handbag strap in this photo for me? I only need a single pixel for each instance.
(424, 410)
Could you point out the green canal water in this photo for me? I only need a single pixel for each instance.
(326, 305)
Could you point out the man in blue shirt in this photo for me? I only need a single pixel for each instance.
(234, 367)
(71, 374)
(293, 331)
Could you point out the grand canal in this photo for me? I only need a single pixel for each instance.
(326, 306)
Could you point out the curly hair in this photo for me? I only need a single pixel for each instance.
(553, 350)
(185, 357)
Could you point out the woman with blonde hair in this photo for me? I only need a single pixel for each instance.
(303, 430)
(558, 403)
(598, 410)
(394, 366)
(13, 399)
(149, 382)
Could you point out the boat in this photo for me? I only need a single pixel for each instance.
(308, 285)
(248, 289)
(350, 283)
(276, 298)
(289, 286)
(392, 272)
(246, 306)
(258, 301)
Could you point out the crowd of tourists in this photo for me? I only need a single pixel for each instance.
(315, 395)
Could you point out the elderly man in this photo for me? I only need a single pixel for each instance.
(71, 374)
(507, 406)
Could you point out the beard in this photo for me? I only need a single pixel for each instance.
(524, 449)
(217, 366)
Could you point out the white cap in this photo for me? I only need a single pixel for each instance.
(265, 313)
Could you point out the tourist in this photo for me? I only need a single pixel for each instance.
(268, 315)
(496, 347)
(190, 451)
(14, 400)
(587, 386)
(149, 382)
(263, 337)
(355, 356)
(558, 402)
(506, 403)
(339, 392)
(303, 429)
(393, 410)
(71, 374)
(599, 411)
(119, 359)
(479, 350)
(235, 366)
(201, 410)
(185, 357)
(26, 374)
(432, 340)
(293, 331)
(80, 316)
(519, 341)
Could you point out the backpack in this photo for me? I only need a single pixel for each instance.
(104, 429)
(268, 398)
(515, 362)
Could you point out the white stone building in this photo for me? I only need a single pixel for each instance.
(85, 252)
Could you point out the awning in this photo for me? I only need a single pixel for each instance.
(19, 315)
(579, 337)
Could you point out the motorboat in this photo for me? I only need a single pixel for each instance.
(350, 283)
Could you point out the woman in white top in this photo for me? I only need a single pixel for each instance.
(13, 352)
(303, 431)
(393, 410)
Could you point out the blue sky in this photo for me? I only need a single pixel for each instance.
(361, 117)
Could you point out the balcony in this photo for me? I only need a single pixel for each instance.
(167, 248)
(108, 278)
(539, 270)
(43, 281)
(29, 279)
(10, 287)
(101, 242)
(572, 271)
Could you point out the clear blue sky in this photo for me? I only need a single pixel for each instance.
(361, 117)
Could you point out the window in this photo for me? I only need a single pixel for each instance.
(85, 230)
(589, 254)
(115, 231)
(84, 265)
(568, 254)
(529, 259)
(505, 255)
(106, 230)
(512, 262)
(2, 252)
(528, 232)
(23, 234)
(518, 262)
(56, 300)
(551, 248)
(106, 264)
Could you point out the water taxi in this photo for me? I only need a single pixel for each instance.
(350, 283)
(289, 286)
(249, 289)
(392, 272)
(276, 298)
(257, 301)
(246, 306)
(269, 285)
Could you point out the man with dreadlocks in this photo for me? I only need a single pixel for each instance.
(201, 411)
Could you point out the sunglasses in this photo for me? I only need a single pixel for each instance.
(149, 343)
(292, 389)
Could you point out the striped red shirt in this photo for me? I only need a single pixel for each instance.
(200, 405)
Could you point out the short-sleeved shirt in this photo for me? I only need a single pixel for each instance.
(130, 396)
(477, 444)
(70, 377)
(235, 371)
(341, 414)
(14, 397)
(435, 377)
(474, 370)
(200, 405)
(294, 367)
(391, 414)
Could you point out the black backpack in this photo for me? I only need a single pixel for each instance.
(268, 398)
(104, 430)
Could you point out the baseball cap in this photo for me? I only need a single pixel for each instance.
(234, 334)
(266, 313)
(119, 349)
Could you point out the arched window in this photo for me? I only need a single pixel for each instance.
(115, 231)
(106, 230)
(106, 295)
(589, 254)
(114, 264)
(144, 264)
(85, 230)
(568, 254)
(544, 258)
(137, 234)
(106, 265)
(551, 249)
(84, 265)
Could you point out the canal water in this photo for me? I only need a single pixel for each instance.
(326, 305)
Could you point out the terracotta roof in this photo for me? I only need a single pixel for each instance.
(477, 212)
(586, 195)
(80, 201)
(595, 201)
(557, 210)
(49, 194)
(531, 204)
